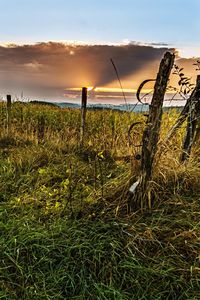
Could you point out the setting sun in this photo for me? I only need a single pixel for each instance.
(90, 88)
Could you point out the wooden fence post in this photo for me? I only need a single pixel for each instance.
(83, 115)
(183, 115)
(8, 115)
(192, 122)
(141, 198)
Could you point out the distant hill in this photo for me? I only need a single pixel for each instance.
(100, 106)
(120, 107)
(43, 103)
(67, 105)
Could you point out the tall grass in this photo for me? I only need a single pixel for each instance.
(66, 232)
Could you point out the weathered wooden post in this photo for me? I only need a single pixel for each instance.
(83, 115)
(184, 113)
(141, 197)
(192, 122)
(8, 115)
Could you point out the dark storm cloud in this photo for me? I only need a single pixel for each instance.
(46, 69)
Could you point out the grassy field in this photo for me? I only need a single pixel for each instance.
(66, 231)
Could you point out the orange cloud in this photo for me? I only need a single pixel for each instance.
(47, 70)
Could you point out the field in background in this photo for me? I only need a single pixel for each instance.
(66, 229)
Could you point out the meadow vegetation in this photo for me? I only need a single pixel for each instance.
(66, 228)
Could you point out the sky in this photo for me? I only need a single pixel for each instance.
(50, 37)
(174, 22)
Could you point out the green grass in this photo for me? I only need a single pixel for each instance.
(154, 256)
(65, 229)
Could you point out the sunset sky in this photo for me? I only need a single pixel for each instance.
(50, 47)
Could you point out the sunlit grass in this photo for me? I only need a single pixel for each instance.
(66, 231)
